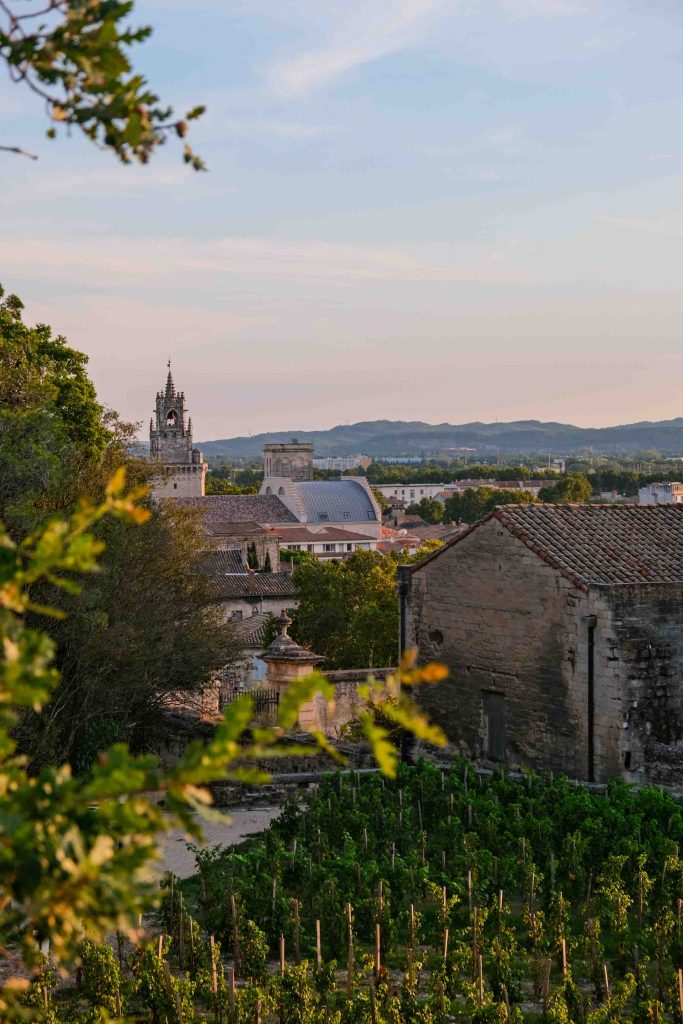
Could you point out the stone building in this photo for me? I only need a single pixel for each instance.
(293, 460)
(347, 504)
(562, 627)
(182, 467)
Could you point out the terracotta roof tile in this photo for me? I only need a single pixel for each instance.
(222, 511)
(258, 584)
(597, 544)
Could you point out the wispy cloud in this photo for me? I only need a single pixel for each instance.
(392, 27)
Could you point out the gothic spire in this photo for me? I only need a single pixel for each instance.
(170, 386)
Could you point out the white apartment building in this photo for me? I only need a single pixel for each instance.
(341, 463)
(664, 493)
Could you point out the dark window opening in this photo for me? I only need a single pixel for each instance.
(436, 637)
(494, 725)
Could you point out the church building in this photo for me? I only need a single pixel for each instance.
(182, 467)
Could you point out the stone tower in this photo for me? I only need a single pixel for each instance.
(293, 460)
(170, 444)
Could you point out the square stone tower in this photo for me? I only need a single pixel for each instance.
(293, 459)
(183, 470)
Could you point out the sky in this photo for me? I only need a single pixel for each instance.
(439, 210)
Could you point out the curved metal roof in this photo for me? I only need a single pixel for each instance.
(335, 501)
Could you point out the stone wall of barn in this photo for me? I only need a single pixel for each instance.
(640, 646)
(509, 628)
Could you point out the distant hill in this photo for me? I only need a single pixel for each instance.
(523, 437)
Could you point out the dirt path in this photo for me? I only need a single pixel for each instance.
(243, 822)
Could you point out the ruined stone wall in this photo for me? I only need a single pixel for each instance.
(640, 647)
(506, 624)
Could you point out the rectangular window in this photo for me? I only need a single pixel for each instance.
(349, 547)
(323, 515)
(329, 547)
(494, 725)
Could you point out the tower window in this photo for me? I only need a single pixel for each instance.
(175, 487)
(172, 418)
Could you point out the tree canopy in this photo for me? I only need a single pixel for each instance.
(144, 626)
(74, 55)
(574, 487)
(473, 503)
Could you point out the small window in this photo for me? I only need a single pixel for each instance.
(175, 487)
(371, 514)
(324, 516)
(236, 616)
(349, 547)
(281, 490)
(436, 637)
(347, 515)
(310, 547)
(329, 547)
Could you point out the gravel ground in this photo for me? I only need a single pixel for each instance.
(242, 822)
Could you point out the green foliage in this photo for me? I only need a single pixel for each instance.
(429, 509)
(574, 487)
(473, 503)
(432, 850)
(348, 611)
(75, 851)
(74, 55)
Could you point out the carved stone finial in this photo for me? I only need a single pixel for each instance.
(285, 623)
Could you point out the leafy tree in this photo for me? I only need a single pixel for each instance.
(75, 851)
(574, 487)
(74, 55)
(267, 565)
(51, 423)
(144, 626)
(473, 503)
(252, 556)
(429, 509)
(348, 610)
(219, 485)
(142, 633)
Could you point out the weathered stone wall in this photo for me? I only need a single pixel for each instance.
(505, 623)
(180, 481)
(640, 649)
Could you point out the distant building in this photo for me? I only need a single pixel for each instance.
(324, 541)
(342, 463)
(293, 460)
(562, 628)
(411, 493)
(669, 493)
(182, 467)
(346, 504)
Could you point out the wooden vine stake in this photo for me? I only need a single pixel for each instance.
(546, 984)
(480, 971)
(258, 1011)
(173, 993)
(349, 962)
(160, 951)
(378, 951)
(231, 988)
(282, 956)
(235, 933)
(411, 942)
(214, 974)
(445, 945)
(318, 950)
(297, 923)
(606, 976)
(564, 958)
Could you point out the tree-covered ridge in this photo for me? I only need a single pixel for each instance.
(387, 437)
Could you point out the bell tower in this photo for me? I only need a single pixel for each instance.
(170, 444)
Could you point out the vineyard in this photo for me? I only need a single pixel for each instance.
(434, 897)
